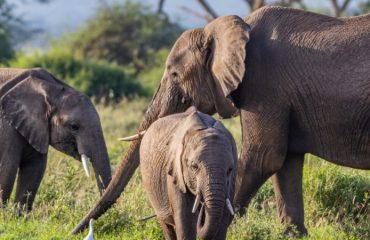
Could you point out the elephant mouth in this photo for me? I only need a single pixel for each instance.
(68, 147)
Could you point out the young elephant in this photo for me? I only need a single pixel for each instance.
(38, 110)
(188, 164)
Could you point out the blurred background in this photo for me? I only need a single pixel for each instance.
(112, 49)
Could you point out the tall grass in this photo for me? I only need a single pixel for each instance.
(335, 197)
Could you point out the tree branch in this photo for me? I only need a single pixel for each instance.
(345, 5)
(196, 14)
(338, 10)
(160, 6)
(255, 4)
(208, 9)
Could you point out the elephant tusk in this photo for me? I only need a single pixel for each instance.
(90, 235)
(85, 163)
(133, 137)
(196, 203)
(229, 206)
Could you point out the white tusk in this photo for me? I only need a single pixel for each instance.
(229, 206)
(90, 235)
(196, 203)
(133, 137)
(85, 163)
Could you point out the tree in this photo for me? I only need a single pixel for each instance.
(128, 34)
(12, 29)
(6, 20)
(364, 7)
(338, 7)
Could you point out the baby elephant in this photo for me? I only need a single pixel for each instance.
(188, 165)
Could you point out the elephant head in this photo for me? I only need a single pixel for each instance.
(46, 111)
(203, 163)
(203, 69)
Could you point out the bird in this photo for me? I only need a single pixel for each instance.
(90, 235)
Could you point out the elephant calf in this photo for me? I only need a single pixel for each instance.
(188, 165)
(38, 110)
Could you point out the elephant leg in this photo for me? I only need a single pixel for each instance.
(30, 174)
(8, 170)
(265, 144)
(168, 230)
(288, 192)
(247, 184)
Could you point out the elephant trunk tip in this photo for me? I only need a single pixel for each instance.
(205, 224)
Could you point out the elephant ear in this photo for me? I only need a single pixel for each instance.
(25, 108)
(227, 39)
(191, 123)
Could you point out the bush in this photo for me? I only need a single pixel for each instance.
(127, 34)
(6, 49)
(151, 77)
(103, 81)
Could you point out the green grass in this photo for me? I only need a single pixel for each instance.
(333, 197)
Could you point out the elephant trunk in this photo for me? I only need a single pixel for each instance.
(93, 149)
(212, 211)
(166, 100)
(101, 166)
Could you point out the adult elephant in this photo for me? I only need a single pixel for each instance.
(300, 82)
(36, 110)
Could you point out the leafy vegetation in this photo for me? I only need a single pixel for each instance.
(118, 53)
(333, 195)
(151, 77)
(6, 20)
(105, 82)
(127, 34)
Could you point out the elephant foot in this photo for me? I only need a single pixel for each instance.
(295, 231)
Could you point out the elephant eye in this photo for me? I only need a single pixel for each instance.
(194, 167)
(175, 77)
(229, 171)
(74, 126)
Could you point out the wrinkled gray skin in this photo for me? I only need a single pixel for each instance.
(183, 155)
(300, 82)
(38, 110)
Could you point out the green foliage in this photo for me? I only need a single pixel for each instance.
(333, 196)
(103, 81)
(6, 19)
(6, 51)
(364, 7)
(127, 34)
(12, 29)
(151, 76)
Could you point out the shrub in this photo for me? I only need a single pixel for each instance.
(6, 51)
(103, 81)
(127, 34)
(151, 77)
